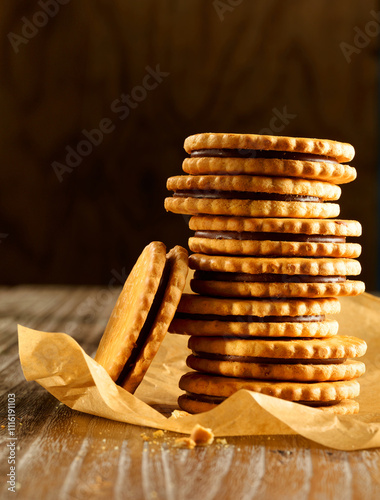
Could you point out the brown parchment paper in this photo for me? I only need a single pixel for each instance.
(59, 364)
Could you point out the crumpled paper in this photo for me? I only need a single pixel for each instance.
(59, 364)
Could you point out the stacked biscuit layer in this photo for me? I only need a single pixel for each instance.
(270, 258)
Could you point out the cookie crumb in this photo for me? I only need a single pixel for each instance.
(221, 441)
(144, 436)
(184, 442)
(202, 436)
(159, 433)
(179, 414)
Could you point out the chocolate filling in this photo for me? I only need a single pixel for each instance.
(260, 153)
(269, 361)
(148, 324)
(219, 399)
(265, 277)
(249, 319)
(235, 235)
(243, 195)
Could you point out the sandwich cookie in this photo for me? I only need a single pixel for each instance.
(230, 276)
(237, 154)
(252, 196)
(218, 235)
(204, 392)
(142, 314)
(302, 360)
(247, 318)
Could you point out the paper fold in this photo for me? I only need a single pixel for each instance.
(59, 364)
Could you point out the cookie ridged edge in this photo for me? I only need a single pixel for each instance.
(310, 290)
(282, 265)
(178, 260)
(215, 246)
(254, 184)
(341, 151)
(326, 328)
(314, 170)
(251, 208)
(333, 227)
(334, 347)
(199, 383)
(196, 304)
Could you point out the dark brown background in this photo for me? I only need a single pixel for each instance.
(225, 75)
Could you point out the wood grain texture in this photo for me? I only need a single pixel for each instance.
(224, 75)
(63, 454)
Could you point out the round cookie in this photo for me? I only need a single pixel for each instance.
(274, 237)
(339, 151)
(251, 208)
(299, 372)
(288, 327)
(344, 407)
(142, 314)
(227, 276)
(285, 266)
(198, 305)
(329, 171)
(290, 350)
(204, 186)
(207, 316)
(213, 389)
(333, 227)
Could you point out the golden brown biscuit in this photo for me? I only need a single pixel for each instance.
(203, 185)
(336, 347)
(213, 389)
(277, 289)
(319, 170)
(339, 151)
(285, 266)
(299, 372)
(251, 208)
(285, 328)
(142, 314)
(221, 245)
(199, 305)
(333, 227)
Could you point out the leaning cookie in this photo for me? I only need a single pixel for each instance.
(142, 314)
(217, 235)
(204, 392)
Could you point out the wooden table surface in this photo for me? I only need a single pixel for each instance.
(63, 454)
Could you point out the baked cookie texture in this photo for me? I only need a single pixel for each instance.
(142, 314)
(270, 260)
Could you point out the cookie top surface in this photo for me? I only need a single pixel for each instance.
(317, 349)
(142, 314)
(281, 265)
(213, 385)
(329, 171)
(198, 304)
(254, 184)
(340, 151)
(334, 227)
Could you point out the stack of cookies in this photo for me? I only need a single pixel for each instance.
(270, 260)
